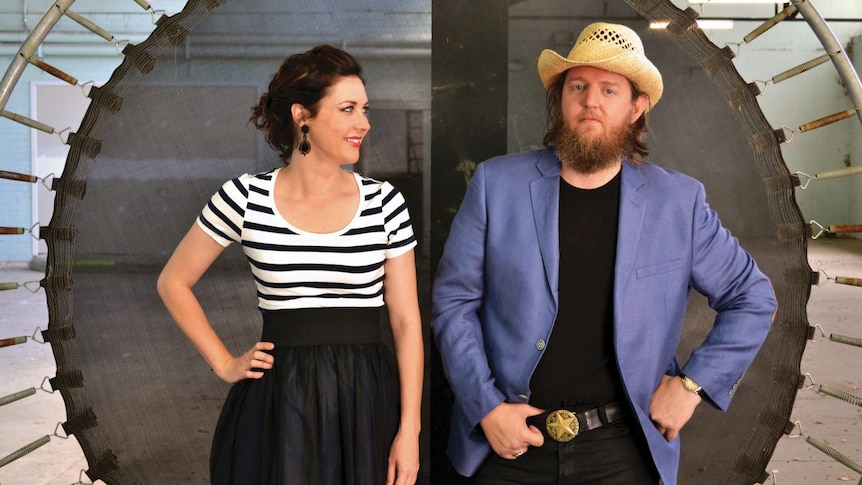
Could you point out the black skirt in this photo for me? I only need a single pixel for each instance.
(326, 413)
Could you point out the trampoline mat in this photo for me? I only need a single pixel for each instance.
(169, 127)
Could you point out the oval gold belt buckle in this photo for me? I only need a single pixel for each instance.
(562, 425)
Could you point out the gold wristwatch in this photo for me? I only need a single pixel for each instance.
(690, 385)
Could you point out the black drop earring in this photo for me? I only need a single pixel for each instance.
(304, 146)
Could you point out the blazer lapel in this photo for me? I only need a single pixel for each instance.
(632, 210)
(545, 197)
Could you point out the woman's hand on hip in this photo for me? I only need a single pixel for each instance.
(249, 365)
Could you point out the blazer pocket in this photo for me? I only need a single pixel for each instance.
(660, 268)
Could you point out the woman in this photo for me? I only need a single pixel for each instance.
(316, 401)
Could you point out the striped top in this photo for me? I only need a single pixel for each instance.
(297, 269)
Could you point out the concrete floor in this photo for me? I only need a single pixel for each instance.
(836, 308)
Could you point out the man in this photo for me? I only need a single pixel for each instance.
(560, 297)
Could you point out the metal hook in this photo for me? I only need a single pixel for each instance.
(123, 42)
(34, 336)
(817, 328)
(738, 46)
(802, 175)
(89, 84)
(62, 436)
(44, 180)
(81, 479)
(796, 424)
(42, 386)
(813, 384)
(28, 285)
(153, 13)
(67, 129)
(34, 226)
(765, 87)
(821, 229)
(788, 133)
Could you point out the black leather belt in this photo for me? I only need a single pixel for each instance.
(563, 425)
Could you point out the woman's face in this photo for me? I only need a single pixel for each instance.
(341, 123)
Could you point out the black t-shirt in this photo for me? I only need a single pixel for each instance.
(578, 366)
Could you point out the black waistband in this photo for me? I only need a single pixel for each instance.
(322, 326)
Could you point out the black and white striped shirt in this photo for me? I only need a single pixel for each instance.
(298, 269)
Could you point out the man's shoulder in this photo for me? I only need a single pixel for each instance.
(519, 161)
(656, 174)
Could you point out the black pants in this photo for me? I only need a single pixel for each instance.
(613, 454)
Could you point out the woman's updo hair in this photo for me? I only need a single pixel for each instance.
(302, 78)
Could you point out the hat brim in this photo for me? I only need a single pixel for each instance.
(635, 67)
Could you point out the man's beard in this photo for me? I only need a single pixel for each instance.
(591, 156)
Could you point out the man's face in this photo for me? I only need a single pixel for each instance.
(597, 110)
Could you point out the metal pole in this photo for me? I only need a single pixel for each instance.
(34, 40)
(836, 52)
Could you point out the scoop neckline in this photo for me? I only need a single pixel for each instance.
(304, 232)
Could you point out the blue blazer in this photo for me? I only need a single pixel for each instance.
(495, 296)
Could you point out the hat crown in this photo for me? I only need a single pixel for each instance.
(605, 38)
(612, 47)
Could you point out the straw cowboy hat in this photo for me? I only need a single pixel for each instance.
(611, 47)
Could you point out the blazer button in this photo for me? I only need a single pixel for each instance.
(540, 345)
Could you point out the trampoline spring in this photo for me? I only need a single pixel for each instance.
(144, 5)
(834, 228)
(782, 15)
(32, 286)
(843, 339)
(17, 396)
(27, 122)
(800, 69)
(845, 280)
(87, 24)
(839, 394)
(841, 280)
(844, 172)
(18, 230)
(8, 342)
(21, 177)
(53, 71)
(845, 228)
(827, 120)
(26, 449)
(834, 454)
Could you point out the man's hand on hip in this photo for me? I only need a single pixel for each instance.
(672, 406)
(506, 429)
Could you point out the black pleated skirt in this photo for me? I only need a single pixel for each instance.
(326, 413)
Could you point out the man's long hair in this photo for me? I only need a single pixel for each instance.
(638, 149)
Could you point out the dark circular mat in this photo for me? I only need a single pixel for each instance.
(171, 125)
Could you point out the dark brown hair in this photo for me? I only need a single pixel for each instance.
(305, 79)
(553, 102)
